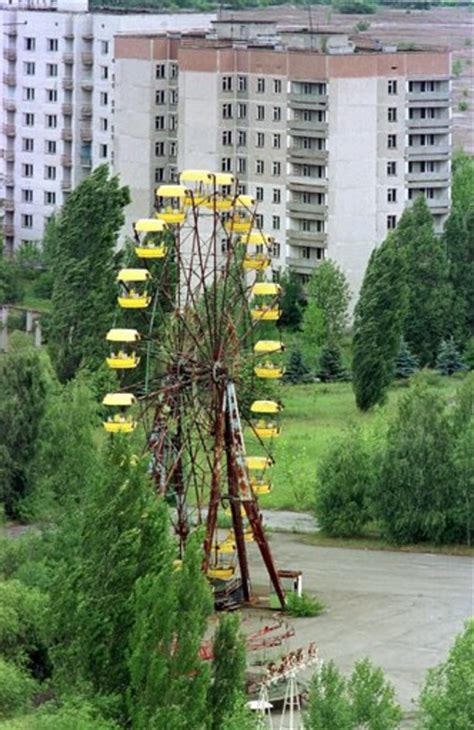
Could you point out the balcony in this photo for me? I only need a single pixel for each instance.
(302, 101)
(88, 35)
(66, 185)
(9, 105)
(68, 59)
(66, 135)
(8, 230)
(86, 84)
(9, 79)
(66, 160)
(302, 266)
(68, 84)
(300, 125)
(9, 206)
(9, 54)
(86, 111)
(10, 155)
(300, 153)
(312, 184)
(428, 96)
(86, 134)
(432, 152)
(440, 178)
(313, 239)
(67, 110)
(9, 181)
(9, 130)
(430, 125)
(303, 210)
(87, 58)
(86, 162)
(11, 31)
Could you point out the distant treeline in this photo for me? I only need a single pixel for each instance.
(342, 6)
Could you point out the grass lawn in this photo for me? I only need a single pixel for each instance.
(313, 417)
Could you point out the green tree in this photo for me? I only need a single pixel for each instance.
(292, 301)
(426, 273)
(449, 360)
(378, 322)
(16, 689)
(10, 286)
(406, 363)
(328, 705)
(228, 671)
(313, 325)
(329, 290)
(447, 698)
(372, 698)
(345, 478)
(459, 241)
(330, 364)
(296, 370)
(84, 272)
(25, 382)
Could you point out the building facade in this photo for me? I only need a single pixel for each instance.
(333, 141)
(57, 71)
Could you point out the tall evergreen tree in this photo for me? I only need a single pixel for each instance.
(296, 370)
(406, 363)
(228, 671)
(426, 273)
(328, 289)
(84, 271)
(330, 364)
(378, 322)
(292, 301)
(449, 360)
(459, 241)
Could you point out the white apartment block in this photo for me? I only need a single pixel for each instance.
(58, 76)
(332, 140)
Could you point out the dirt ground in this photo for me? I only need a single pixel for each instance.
(451, 28)
(402, 610)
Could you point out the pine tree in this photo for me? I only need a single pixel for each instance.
(296, 370)
(378, 322)
(406, 363)
(330, 364)
(449, 360)
(328, 289)
(292, 301)
(228, 671)
(84, 291)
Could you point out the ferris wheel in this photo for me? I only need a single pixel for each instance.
(199, 317)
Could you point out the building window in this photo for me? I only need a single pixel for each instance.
(277, 86)
(260, 141)
(226, 164)
(241, 165)
(27, 221)
(391, 222)
(51, 95)
(159, 174)
(392, 195)
(241, 139)
(27, 170)
(52, 70)
(51, 121)
(29, 68)
(259, 194)
(103, 124)
(276, 250)
(30, 44)
(259, 220)
(260, 113)
(104, 72)
(50, 172)
(28, 144)
(276, 141)
(241, 83)
(102, 151)
(27, 196)
(28, 93)
(392, 87)
(160, 97)
(241, 111)
(160, 71)
(49, 198)
(391, 141)
(276, 222)
(104, 47)
(29, 120)
(276, 195)
(226, 137)
(50, 147)
(261, 85)
(173, 97)
(227, 83)
(276, 113)
(305, 252)
(391, 168)
(173, 149)
(392, 114)
(276, 168)
(104, 98)
(173, 122)
(159, 123)
(226, 111)
(173, 70)
(259, 167)
(52, 44)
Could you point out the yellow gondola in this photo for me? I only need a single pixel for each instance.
(259, 480)
(132, 298)
(242, 219)
(257, 261)
(171, 202)
(122, 360)
(149, 248)
(268, 369)
(197, 184)
(263, 426)
(223, 567)
(218, 198)
(119, 422)
(270, 311)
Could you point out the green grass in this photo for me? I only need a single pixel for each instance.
(314, 416)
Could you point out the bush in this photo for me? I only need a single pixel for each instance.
(10, 288)
(73, 714)
(16, 689)
(344, 485)
(361, 25)
(447, 698)
(349, 7)
(302, 606)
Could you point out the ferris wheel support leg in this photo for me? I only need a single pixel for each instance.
(215, 484)
(255, 521)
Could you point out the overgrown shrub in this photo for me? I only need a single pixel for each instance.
(16, 689)
(302, 606)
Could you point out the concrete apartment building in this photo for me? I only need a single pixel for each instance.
(332, 140)
(57, 71)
